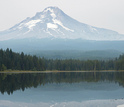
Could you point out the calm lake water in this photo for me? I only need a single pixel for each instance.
(71, 89)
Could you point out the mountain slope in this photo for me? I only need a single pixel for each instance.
(53, 23)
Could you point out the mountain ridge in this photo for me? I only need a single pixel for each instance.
(53, 23)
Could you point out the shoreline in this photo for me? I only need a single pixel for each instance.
(19, 71)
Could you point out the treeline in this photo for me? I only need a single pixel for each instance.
(15, 61)
(19, 61)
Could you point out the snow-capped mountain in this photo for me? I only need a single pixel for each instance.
(54, 23)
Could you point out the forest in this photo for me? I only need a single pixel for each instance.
(10, 60)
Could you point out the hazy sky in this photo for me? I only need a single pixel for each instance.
(100, 13)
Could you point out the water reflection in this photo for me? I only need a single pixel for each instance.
(12, 82)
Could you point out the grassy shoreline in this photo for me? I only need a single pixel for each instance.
(55, 71)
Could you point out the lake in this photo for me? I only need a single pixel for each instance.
(63, 89)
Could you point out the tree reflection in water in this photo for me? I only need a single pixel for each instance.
(12, 82)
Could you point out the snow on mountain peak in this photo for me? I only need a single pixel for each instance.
(53, 22)
(49, 18)
(51, 9)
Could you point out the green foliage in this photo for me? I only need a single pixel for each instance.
(16, 61)
(120, 63)
(3, 67)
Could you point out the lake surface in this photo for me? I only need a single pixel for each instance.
(71, 89)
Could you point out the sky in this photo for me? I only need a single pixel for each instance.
(107, 14)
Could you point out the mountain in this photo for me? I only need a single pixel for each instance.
(53, 34)
(53, 23)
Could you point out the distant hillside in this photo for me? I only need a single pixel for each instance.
(77, 54)
(26, 45)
